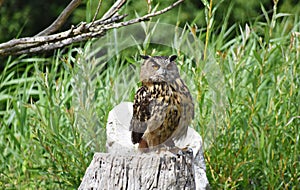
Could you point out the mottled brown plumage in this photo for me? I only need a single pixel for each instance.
(163, 107)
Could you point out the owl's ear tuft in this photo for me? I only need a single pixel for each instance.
(145, 56)
(172, 58)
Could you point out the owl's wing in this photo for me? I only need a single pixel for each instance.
(141, 113)
(161, 111)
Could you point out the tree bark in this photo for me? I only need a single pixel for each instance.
(149, 171)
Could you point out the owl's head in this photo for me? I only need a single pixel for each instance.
(159, 69)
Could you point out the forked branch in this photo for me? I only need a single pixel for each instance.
(82, 32)
(61, 19)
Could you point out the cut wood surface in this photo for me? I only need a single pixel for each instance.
(124, 167)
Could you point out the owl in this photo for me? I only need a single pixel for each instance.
(163, 107)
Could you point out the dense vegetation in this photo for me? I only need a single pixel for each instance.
(244, 79)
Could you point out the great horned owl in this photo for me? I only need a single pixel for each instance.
(163, 106)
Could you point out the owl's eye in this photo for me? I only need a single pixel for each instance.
(155, 66)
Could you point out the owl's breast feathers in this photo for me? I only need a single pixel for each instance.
(186, 98)
(158, 112)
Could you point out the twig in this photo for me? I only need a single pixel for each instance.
(147, 16)
(292, 119)
(61, 18)
(113, 9)
(80, 33)
(97, 11)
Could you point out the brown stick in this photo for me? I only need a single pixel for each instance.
(57, 24)
(97, 11)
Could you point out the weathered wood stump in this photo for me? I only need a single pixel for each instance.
(124, 167)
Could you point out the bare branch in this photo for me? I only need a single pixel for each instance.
(113, 9)
(79, 33)
(97, 11)
(61, 19)
(147, 16)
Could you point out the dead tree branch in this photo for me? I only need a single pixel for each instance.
(79, 33)
(113, 10)
(57, 24)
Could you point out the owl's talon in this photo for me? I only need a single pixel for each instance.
(176, 151)
(182, 152)
(188, 151)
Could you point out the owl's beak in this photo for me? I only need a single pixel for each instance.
(160, 75)
(162, 72)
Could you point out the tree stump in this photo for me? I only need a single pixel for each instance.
(124, 167)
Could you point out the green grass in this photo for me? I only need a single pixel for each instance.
(246, 91)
